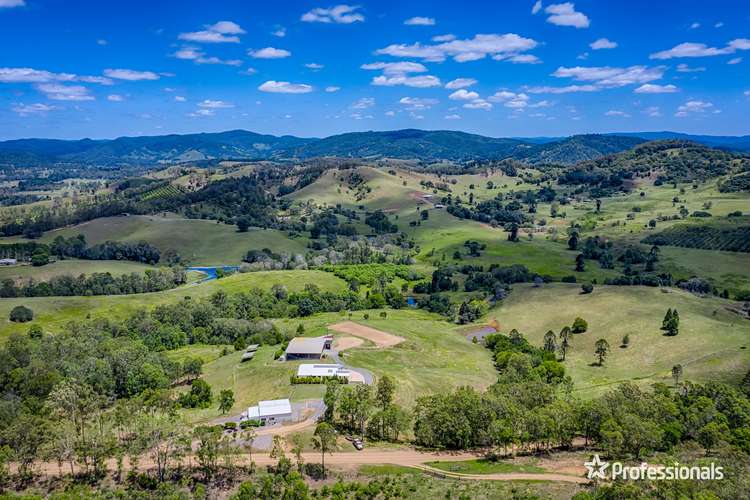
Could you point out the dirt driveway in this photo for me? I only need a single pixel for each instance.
(377, 337)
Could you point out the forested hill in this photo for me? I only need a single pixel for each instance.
(240, 144)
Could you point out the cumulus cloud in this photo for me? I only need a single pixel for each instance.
(693, 107)
(420, 21)
(443, 38)
(396, 68)
(520, 59)
(130, 75)
(199, 57)
(601, 77)
(537, 7)
(472, 49)
(616, 112)
(603, 43)
(212, 104)
(417, 103)
(115, 98)
(684, 68)
(478, 104)
(510, 99)
(691, 49)
(460, 83)
(339, 14)
(463, 95)
(650, 88)
(453, 117)
(332, 88)
(565, 14)
(422, 81)
(285, 87)
(220, 32)
(279, 32)
(32, 109)
(7, 4)
(269, 53)
(30, 75)
(363, 103)
(58, 92)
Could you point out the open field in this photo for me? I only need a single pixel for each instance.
(377, 337)
(711, 344)
(54, 312)
(72, 267)
(200, 242)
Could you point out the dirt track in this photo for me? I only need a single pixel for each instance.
(344, 343)
(377, 337)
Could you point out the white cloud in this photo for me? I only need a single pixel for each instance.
(695, 26)
(609, 77)
(220, 32)
(211, 104)
(417, 103)
(179, 98)
(30, 75)
(541, 104)
(463, 95)
(420, 21)
(421, 81)
(650, 88)
(279, 32)
(102, 42)
(359, 116)
(693, 107)
(443, 38)
(603, 43)
(615, 112)
(537, 7)
(58, 92)
(735, 60)
(115, 98)
(521, 59)
(396, 68)
(332, 88)
(202, 112)
(510, 99)
(747, 93)
(314, 66)
(498, 46)
(544, 89)
(130, 75)
(390, 113)
(565, 14)
(652, 111)
(363, 103)
(690, 49)
(583, 56)
(460, 83)
(197, 55)
(452, 117)
(32, 109)
(285, 87)
(269, 53)
(478, 104)
(340, 14)
(248, 71)
(684, 68)
(6, 4)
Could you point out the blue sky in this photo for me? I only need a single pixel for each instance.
(73, 69)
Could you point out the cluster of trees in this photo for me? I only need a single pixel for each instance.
(729, 237)
(75, 246)
(152, 280)
(671, 323)
(494, 211)
(379, 222)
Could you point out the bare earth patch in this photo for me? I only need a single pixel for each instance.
(343, 343)
(377, 337)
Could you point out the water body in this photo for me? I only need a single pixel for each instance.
(212, 272)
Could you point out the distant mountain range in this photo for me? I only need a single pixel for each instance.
(404, 144)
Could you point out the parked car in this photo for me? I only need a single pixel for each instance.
(358, 444)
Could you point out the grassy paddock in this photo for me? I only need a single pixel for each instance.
(73, 267)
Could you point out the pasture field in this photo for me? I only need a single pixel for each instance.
(52, 313)
(72, 267)
(711, 344)
(199, 242)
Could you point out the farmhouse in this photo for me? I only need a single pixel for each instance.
(316, 370)
(307, 348)
(269, 412)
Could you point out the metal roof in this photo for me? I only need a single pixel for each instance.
(316, 370)
(271, 408)
(302, 345)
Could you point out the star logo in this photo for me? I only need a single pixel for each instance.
(597, 468)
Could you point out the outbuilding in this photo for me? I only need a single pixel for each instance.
(8, 262)
(307, 348)
(321, 370)
(270, 412)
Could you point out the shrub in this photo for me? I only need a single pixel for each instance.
(21, 314)
(587, 288)
(230, 426)
(579, 325)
